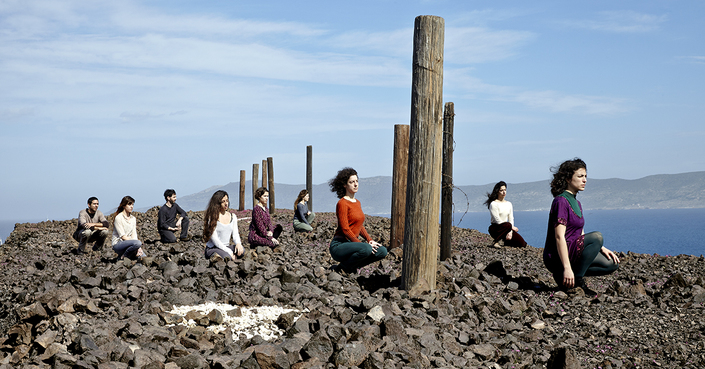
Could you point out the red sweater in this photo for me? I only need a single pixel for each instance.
(350, 220)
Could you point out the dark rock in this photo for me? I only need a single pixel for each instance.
(563, 358)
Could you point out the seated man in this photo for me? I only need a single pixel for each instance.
(92, 227)
(167, 223)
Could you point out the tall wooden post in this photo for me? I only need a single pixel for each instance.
(309, 176)
(399, 172)
(447, 181)
(264, 173)
(425, 139)
(255, 182)
(270, 169)
(242, 191)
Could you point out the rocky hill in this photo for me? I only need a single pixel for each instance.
(492, 308)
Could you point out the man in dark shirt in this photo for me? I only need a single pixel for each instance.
(167, 223)
(92, 227)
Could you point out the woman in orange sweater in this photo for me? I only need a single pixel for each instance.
(346, 248)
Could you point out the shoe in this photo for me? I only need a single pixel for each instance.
(185, 239)
(79, 252)
(580, 283)
(97, 246)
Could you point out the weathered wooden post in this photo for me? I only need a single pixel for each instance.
(447, 181)
(242, 191)
(399, 172)
(309, 175)
(425, 139)
(264, 173)
(255, 181)
(270, 169)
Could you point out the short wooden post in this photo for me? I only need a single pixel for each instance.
(264, 173)
(309, 176)
(270, 169)
(425, 142)
(399, 172)
(255, 182)
(447, 181)
(242, 191)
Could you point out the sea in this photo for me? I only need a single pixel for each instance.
(666, 232)
(646, 231)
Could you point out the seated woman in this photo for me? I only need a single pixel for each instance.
(125, 242)
(502, 218)
(261, 233)
(219, 226)
(345, 247)
(570, 254)
(302, 216)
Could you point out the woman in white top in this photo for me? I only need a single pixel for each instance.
(502, 217)
(125, 242)
(219, 226)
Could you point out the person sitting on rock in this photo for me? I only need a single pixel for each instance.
(261, 233)
(502, 218)
(346, 248)
(302, 216)
(167, 223)
(92, 227)
(219, 226)
(569, 253)
(125, 242)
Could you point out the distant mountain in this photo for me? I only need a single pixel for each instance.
(663, 191)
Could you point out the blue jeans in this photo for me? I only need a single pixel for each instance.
(127, 248)
(354, 255)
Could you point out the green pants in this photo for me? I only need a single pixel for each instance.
(303, 227)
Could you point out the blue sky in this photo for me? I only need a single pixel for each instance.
(109, 98)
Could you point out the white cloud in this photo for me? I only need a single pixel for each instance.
(697, 59)
(625, 21)
(552, 101)
(465, 45)
(561, 103)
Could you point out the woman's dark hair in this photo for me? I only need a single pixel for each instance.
(495, 193)
(301, 196)
(563, 174)
(338, 183)
(127, 200)
(210, 220)
(259, 192)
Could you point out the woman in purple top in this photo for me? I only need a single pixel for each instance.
(261, 233)
(569, 253)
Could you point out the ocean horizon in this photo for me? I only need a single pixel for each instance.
(645, 231)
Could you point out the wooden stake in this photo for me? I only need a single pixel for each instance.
(425, 140)
(399, 172)
(309, 176)
(270, 169)
(264, 173)
(242, 191)
(255, 181)
(447, 181)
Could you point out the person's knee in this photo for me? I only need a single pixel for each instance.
(381, 252)
(595, 237)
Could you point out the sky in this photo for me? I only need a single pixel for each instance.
(113, 98)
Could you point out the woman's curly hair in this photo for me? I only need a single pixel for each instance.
(337, 184)
(563, 174)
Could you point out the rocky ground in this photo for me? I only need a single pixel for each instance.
(492, 308)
